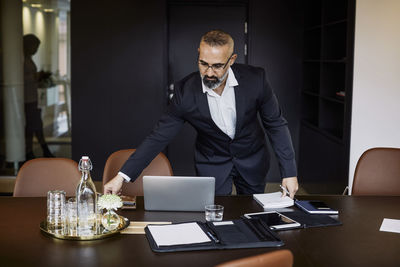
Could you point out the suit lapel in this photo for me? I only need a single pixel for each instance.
(240, 101)
(201, 99)
(202, 103)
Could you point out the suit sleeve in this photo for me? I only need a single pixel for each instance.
(277, 130)
(165, 130)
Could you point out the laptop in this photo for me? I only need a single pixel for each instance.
(178, 193)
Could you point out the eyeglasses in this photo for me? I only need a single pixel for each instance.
(215, 67)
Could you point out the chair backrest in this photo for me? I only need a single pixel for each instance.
(159, 166)
(280, 258)
(38, 176)
(378, 173)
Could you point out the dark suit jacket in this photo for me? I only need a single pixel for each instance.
(216, 153)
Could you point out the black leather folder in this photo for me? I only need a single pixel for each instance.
(240, 233)
(312, 220)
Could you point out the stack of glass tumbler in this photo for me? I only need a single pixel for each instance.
(55, 209)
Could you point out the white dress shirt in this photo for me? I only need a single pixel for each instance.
(223, 107)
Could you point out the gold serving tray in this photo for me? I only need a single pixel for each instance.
(103, 233)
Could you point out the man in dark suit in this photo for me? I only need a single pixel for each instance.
(222, 102)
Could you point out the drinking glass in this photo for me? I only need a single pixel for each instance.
(71, 216)
(214, 213)
(56, 210)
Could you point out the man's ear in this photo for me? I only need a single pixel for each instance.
(233, 59)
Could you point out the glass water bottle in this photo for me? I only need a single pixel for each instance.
(86, 200)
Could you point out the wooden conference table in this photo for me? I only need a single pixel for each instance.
(358, 242)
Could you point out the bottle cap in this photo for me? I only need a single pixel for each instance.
(85, 164)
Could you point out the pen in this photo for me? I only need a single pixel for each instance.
(213, 237)
(284, 189)
(287, 192)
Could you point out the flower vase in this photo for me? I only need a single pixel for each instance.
(110, 220)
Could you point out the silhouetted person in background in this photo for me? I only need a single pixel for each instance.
(33, 124)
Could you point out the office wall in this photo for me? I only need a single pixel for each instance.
(275, 43)
(117, 79)
(376, 84)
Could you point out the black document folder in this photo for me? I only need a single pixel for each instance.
(240, 233)
(312, 220)
(304, 219)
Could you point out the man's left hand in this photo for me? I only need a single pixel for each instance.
(291, 184)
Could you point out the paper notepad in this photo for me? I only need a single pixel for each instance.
(273, 200)
(178, 234)
(390, 225)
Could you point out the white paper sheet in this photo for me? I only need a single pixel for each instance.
(178, 234)
(223, 223)
(390, 225)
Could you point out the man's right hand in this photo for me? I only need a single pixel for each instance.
(114, 186)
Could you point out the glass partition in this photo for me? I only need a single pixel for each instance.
(36, 104)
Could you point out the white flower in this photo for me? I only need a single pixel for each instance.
(109, 202)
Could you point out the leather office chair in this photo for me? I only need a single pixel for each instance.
(280, 258)
(378, 173)
(37, 176)
(159, 166)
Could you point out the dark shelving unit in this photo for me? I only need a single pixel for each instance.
(326, 95)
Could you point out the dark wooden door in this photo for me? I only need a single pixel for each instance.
(188, 21)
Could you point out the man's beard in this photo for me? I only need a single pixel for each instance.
(213, 82)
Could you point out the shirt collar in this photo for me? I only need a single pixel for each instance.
(230, 82)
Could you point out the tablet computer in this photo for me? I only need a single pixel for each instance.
(274, 220)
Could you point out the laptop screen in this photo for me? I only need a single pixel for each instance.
(178, 193)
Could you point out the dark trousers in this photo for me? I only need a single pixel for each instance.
(242, 187)
(33, 126)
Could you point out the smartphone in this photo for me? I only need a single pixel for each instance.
(274, 220)
(319, 205)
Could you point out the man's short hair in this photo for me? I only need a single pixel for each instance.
(217, 38)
